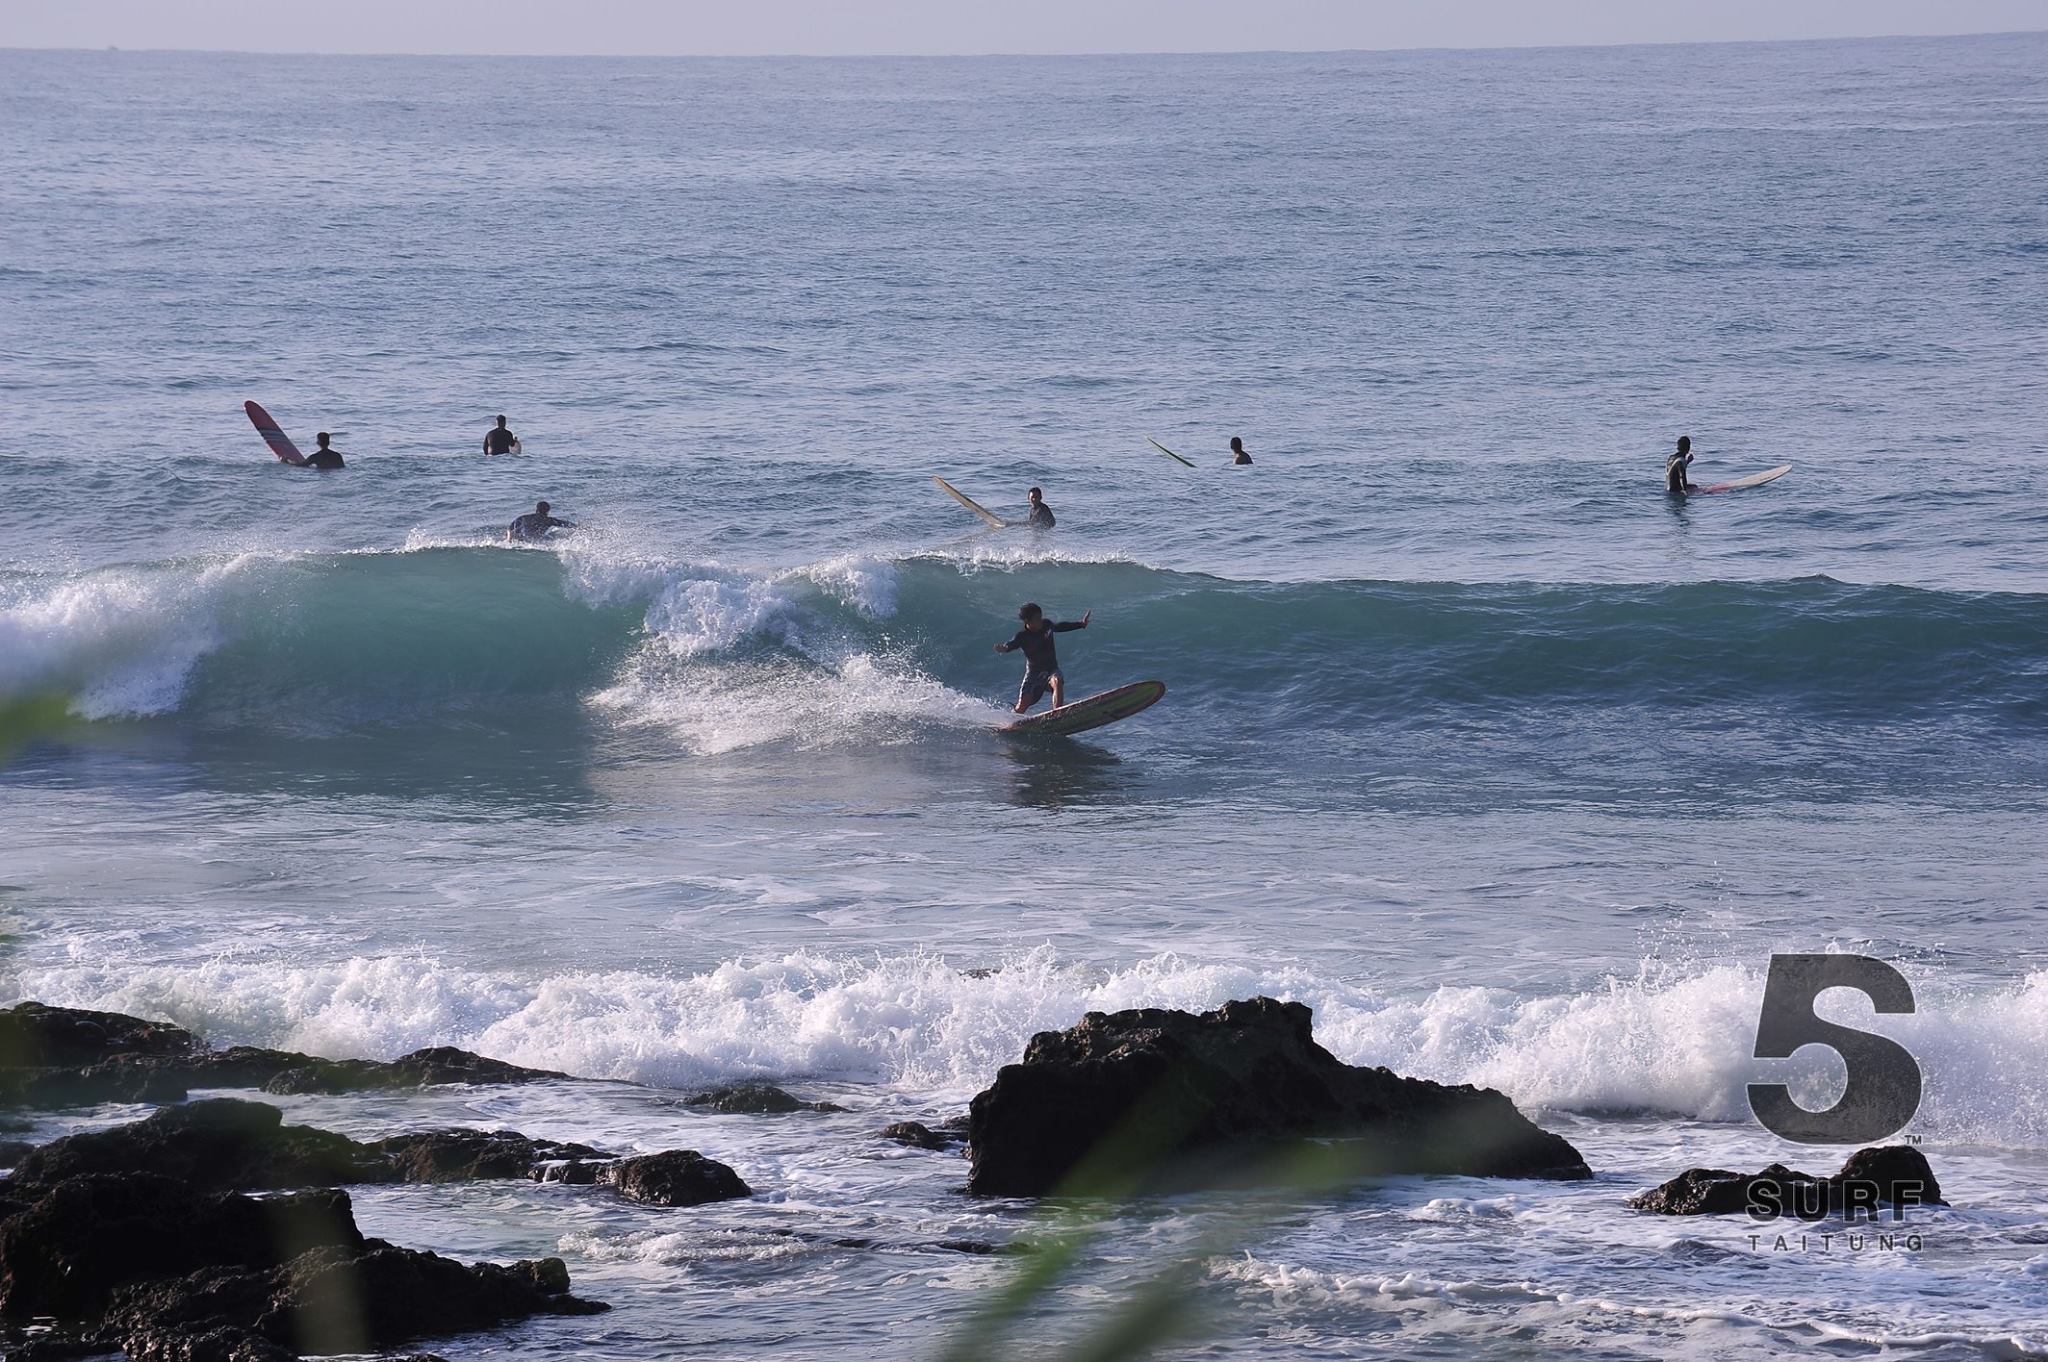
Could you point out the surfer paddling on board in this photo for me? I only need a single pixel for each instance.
(499, 440)
(1237, 454)
(1041, 660)
(1676, 467)
(324, 457)
(531, 529)
(1041, 514)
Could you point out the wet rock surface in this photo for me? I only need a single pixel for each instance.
(918, 1135)
(145, 1264)
(58, 1057)
(1888, 1175)
(680, 1177)
(1156, 1099)
(754, 1099)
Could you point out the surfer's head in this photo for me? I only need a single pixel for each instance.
(540, 508)
(1036, 497)
(1685, 444)
(501, 423)
(1237, 444)
(1029, 611)
(321, 439)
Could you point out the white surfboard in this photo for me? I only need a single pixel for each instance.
(995, 522)
(1753, 480)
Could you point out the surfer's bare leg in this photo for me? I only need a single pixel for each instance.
(1059, 690)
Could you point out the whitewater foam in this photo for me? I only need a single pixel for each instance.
(1667, 1042)
(121, 642)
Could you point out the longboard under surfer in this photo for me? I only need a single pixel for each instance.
(1041, 659)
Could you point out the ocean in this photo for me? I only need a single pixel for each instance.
(1513, 769)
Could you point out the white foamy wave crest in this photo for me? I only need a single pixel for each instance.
(121, 642)
(724, 708)
(866, 584)
(691, 1248)
(696, 609)
(1679, 1046)
(995, 554)
(1681, 1043)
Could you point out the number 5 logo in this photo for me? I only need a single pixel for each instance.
(1883, 1090)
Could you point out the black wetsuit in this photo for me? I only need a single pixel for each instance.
(1041, 659)
(1674, 476)
(1242, 457)
(533, 527)
(325, 459)
(1041, 518)
(498, 440)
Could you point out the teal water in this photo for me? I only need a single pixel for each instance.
(1512, 768)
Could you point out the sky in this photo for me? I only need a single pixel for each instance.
(857, 27)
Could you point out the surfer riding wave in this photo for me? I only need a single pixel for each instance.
(1041, 658)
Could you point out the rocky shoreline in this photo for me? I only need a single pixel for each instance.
(213, 1231)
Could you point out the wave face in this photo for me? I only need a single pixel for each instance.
(330, 642)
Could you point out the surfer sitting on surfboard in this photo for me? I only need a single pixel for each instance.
(1041, 515)
(1676, 466)
(323, 457)
(1041, 660)
(531, 529)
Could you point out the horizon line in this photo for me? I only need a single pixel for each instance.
(994, 55)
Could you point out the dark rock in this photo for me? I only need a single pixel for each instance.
(436, 1065)
(755, 1099)
(87, 1236)
(224, 1144)
(468, 1155)
(568, 1172)
(13, 1152)
(125, 1078)
(33, 1036)
(1155, 1098)
(1896, 1175)
(213, 1145)
(168, 1274)
(680, 1177)
(339, 1302)
(1900, 1172)
(222, 1344)
(58, 1057)
(919, 1136)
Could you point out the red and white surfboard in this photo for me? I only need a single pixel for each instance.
(273, 435)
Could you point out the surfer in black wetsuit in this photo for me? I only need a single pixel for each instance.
(531, 529)
(1237, 454)
(323, 457)
(1041, 516)
(1041, 660)
(499, 440)
(1676, 467)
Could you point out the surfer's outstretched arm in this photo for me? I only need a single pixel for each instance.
(1067, 626)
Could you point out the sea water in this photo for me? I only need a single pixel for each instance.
(1515, 770)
